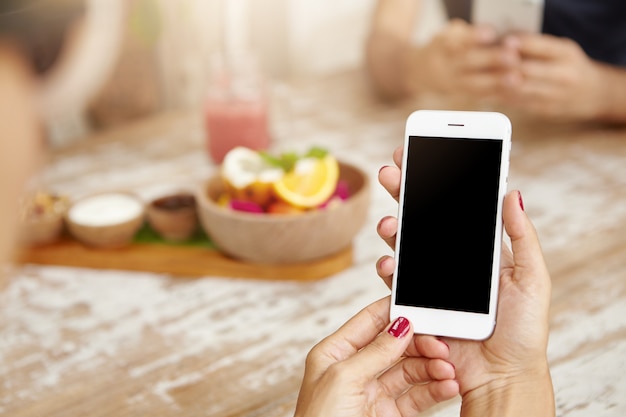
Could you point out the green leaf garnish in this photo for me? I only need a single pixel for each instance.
(270, 159)
(285, 161)
(288, 160)
(316, 152)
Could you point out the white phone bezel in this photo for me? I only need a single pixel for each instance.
(509, 16)
(456, 124)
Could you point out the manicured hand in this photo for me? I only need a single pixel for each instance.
(516, 352)
(371, 367)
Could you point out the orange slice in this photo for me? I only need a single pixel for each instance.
(310, 183)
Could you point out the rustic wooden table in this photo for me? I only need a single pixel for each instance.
(77, 342)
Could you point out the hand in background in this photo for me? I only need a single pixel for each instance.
(555, 79)
(512, 364)
(370, 367)
(464, 60)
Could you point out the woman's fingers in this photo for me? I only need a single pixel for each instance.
(419, 383)
(414, 371)
(428, 346)
(422, 397)
(386, 229)
(389, 178)
(385, 267)
(397, 156)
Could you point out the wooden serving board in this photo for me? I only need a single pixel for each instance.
(180, 260)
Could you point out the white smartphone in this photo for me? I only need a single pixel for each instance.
(454, 178)
(509, 16)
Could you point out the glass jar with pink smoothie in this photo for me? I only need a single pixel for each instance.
(236, 107)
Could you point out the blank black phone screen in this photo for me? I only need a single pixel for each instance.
(448, 224)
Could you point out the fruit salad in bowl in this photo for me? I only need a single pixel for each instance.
(257, 182)
(282, 209)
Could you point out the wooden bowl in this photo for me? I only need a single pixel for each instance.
(41, 221)
(42, 230)
(101, 232)
(287, 238)
(173, 216)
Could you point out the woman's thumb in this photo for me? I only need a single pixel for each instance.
(527, 253)
(383, 351)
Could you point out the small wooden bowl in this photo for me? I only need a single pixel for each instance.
(42, 230)
(173, 216)
(41, 222)
(268, 238)
(112, 234)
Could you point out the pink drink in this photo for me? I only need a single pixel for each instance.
(236, 106)
(233, 121)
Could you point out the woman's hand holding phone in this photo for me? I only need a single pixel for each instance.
(373, 367)
(509, 371)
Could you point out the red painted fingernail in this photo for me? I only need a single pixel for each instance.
(399, 328)
(521, 202)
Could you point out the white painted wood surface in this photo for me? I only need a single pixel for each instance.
(78, 342)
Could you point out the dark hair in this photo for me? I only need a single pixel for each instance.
(39, 27)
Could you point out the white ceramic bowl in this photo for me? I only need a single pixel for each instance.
(106, 220)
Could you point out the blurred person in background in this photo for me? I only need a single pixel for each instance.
(53, 56)
(575, 70)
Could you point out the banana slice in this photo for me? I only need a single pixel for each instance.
(249, 177)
